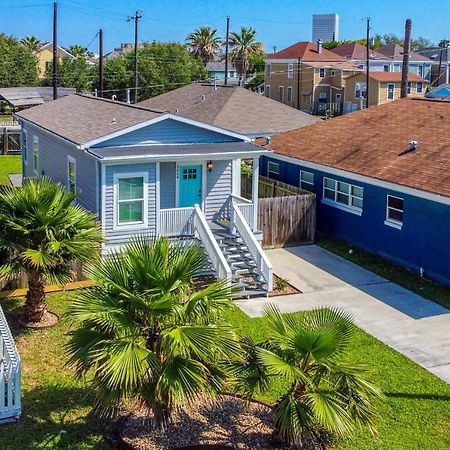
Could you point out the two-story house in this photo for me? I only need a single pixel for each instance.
(44, 57)
(440, 63)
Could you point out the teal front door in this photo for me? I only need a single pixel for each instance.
(189, 185)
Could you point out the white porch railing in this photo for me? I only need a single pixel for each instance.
(212, 248)
(10, 373)
(263, 264)
(176, 221)
(247, 208)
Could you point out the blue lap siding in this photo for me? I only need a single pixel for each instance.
(423, 241)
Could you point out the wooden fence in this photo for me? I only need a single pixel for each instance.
(9, 141)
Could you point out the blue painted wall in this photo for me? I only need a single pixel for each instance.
(423, 241)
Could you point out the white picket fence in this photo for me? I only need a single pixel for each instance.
(10, 374)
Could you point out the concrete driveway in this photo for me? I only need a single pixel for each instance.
(412, 325)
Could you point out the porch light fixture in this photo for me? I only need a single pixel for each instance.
(209, 165)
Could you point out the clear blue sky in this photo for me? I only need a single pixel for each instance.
(278, 22)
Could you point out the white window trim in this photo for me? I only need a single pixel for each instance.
(388, 66)
(36, 169)
(393, 91)
(280, 98)
(335, 204)
(321, 70)
(71, 159)
(290, 70)
(306, 182)
(392, 222)
(290, 97)
(333, 73)
(131, 225)
(269, 171)
(24, 149)
(409, 88)
(269, 69)
(417, 87)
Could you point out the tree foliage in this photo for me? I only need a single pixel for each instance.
(74, 73)
(204, 43)
(31, 42)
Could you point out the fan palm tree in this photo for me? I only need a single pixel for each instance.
(80, 52)
(322, 392)
(31, 42)
(204, 43)
(42, 233)
(145, 333)
(244, 49)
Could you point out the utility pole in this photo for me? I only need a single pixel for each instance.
(406, 52)
(368, 63)
(100, 63)
(135, 18)
(55, 51)
(227, 44)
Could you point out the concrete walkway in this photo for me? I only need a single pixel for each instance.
(412, 325)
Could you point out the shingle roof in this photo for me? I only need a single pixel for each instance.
(231, 107)
(355, 51)
(395, 52)
(307, 51)
(345, 65)
(434, 53)
(395, 76)
(82, 118)
(30, 96)
(375, 142)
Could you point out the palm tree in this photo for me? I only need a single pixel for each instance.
(444, 43)
(204, 43)
(80, 52)
(42, 233)
(244, 49)
(32, 42)
(144, 333)
(322, 392)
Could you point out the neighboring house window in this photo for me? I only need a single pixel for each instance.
(360, 90)
(71, 174)
(386, 68)
(397, 67)
(409, 88)
(289, 94)
(360, 66)
(280, 93)
(390, 91)
(344, 194)
(36, 155)
(420, 71)
(273, 170)
(322, 97)
(23, 140)
(306, 180)
(394, 211)
(333, 73)
(130, 199)
(290, 70)
(267, 90)
(322, 72)
(419, 87)
(48, 65)
(269, 70)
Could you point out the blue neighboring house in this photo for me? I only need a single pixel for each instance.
(147, 171)
(382, 180)
(442, 92)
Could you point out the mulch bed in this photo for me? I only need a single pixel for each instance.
(224, 421)
(48, 320)
(288, 290)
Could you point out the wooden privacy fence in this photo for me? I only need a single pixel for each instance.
(9, 141)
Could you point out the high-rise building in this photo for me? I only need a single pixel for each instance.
(325, 27)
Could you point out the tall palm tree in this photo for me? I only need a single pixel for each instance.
(321, 391)
(443, 43)
(80, 52)
(144, 333)
(244, 50)
(32, 42)
(42, 233)
(204, 43)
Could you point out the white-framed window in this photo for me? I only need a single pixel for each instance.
(273, 170)
(290, 70)
(333, 73)
(322, 72)
(322, 97)
(130, 200)
(390, 91)
(419, 87)
(306, 180)
(71, 174)
(394, 211)
(386, 68)
(24, 145)
(269, 69)
(343, 195)
(420, 71)
(409, 88)
(289, 94)
(36, 155)
(360, 90)
(268, 90)
(280, 93)
(397, 67)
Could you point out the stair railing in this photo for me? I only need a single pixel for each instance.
(246, 207)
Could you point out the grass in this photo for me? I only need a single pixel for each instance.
(57, 409)
(9, 164)
(426, 288)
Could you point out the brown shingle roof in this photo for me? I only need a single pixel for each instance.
(82, 118)
(395, 52)
(307, 51)
(355, 51)
(231, 107)
(395, 76)
(375, 142)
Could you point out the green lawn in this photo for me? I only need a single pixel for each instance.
(9, 164)
(422, 286)
(415, 414)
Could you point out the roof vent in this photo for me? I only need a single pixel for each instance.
(319, 46)
(203, 98)
(113, 120)
(267, 140)
(176, 110)
(413, 146)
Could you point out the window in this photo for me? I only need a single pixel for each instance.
(345, 194)
(23, 141)
(267, 90)
(322, 97)
(190, 174)
(280, 95)
(360, 90)
(394, 212)
(409, 88)
(322, 72)
(386, 68)
(306, 180)
(130, 199)
(290, 70)
(36, 154)
(397, 67)
(361, 66)
(289, 94)
(390, 91)
(269, 70)
(333, 73)
(273, 170)
(420, 71)
(419, 87)
(71, 174)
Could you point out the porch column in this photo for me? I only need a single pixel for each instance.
(255, 181)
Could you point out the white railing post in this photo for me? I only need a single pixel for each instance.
(255, 185)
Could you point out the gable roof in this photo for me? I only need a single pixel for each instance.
(395, 52)
(434, 53)
(357, 52)
(442, 92)
(307, 51)
(374, 142)
(62, 49)
(232, 108)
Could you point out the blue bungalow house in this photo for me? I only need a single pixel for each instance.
(382, 180)
(146, 171)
